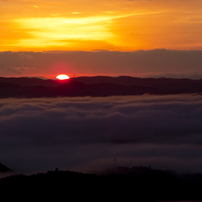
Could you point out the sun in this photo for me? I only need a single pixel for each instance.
(62, 77)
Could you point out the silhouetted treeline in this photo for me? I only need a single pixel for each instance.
(128, 184)
(96, 86)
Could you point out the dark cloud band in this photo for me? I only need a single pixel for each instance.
(169, 63)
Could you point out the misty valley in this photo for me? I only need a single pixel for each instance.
(136, 139)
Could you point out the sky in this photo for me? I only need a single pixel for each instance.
(123, 26)
(89, 134)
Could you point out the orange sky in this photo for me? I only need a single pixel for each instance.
(87, 25)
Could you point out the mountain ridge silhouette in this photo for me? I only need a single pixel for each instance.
(96, 86)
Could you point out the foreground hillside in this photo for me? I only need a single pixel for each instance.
(134, 184)
(96, 86)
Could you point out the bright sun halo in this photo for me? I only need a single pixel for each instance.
(62, 77)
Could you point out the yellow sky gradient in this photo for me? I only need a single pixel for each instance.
(87, 25)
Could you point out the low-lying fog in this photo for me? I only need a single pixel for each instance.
(89, 134)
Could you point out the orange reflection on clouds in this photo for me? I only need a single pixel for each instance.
(63, 32)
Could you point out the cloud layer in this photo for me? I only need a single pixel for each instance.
(137, 63)
(86, 134)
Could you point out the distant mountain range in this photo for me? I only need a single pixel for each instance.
(96, 86)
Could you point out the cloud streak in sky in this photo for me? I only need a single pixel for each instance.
(84, 134)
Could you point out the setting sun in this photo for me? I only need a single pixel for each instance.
(62, 77)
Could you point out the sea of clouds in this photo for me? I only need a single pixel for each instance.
(89, 134)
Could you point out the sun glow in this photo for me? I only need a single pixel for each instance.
(62, 77)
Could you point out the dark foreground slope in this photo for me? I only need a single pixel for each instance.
(135, 184)
(4, 169)
(96, 86)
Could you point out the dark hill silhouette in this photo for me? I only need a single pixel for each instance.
(4, 169)
(137, 184)
(96, 86)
